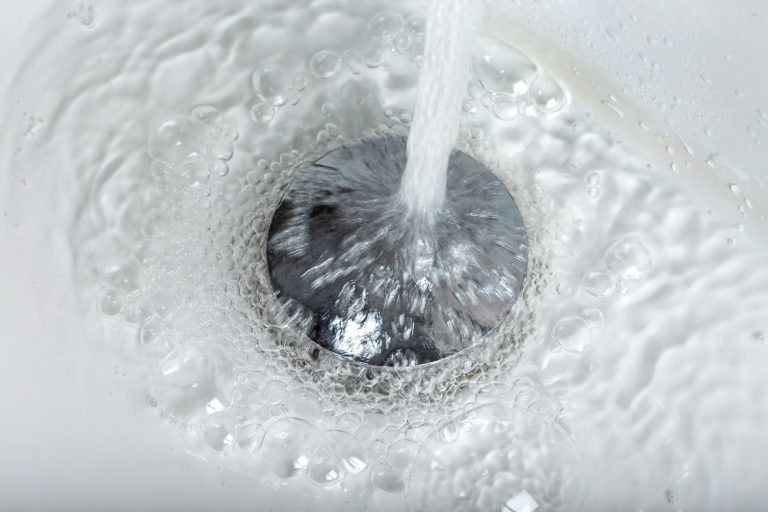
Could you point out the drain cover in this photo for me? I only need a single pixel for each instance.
(362, 277)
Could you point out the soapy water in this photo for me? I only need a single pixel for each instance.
(167, 148)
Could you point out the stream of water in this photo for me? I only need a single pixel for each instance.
(445, 69)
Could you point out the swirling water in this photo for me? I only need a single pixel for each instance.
(628, 376)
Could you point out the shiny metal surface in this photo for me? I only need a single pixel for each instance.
(363, 277)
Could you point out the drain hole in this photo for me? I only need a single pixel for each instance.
(366, 279)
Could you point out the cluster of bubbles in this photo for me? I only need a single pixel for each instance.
(85, 15)
(229, 367)
(167, 222)
(510, 84)
(227, 363)
(33, 124)
(391, 33)
(618, 270)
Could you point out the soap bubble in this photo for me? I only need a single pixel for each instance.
(546, 95)
(287, 446)
(599, 282)
(572, 333)
(415, 25)
(629, 258)
(272, 84)
(594, 317)
(325, 64)
(377, 55)
(262, 113)
(385, 25)
(177, 140)
(111, 302)
(388, 479)
(325, 467)
(502, 69)
(218, 431)
(124, 275)
(194, 381)
(221, 150)
(505, 109)
(349, 450)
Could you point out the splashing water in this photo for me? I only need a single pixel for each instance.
(445, 72)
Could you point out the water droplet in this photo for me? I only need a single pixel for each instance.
(325, 467)
(124, 276)
(572, 333)
(402, 43)
(387, 479)
(505, 109)
(613, 107)
(221, 150)
(546, 95)
(377, 55)
(287, 446)
(594, 317)
(502, 69)
(328, 109)
(593, 192)
(218, 431)
(599, 282)
(135, 312)
(177, 140)
(262, 113)
(150, 331)
(193, 380)
(385, 25)
(272, 84)
(402, 454)
(325, 64)
(111, 302)
(470, 107)
(415, 26)
(449, 432)
(629, 259)
(299, 82)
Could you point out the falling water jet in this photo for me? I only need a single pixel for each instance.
(445, 71)
(396, 252)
